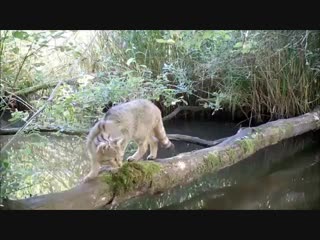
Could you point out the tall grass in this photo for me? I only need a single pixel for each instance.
(278, 78)
(264, 74)
(284, 86)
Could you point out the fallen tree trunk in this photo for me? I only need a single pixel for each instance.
(162, 174)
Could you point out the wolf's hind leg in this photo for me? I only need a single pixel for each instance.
(153, 143)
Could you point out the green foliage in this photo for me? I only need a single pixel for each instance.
(265, 74)
(24, 55)
(18, 116)
(262, 71)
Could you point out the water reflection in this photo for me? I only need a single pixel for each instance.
(283, 176)
(294, 189)
(40, 164)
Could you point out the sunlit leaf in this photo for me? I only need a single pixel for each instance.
(238, 45)
(39, 64)
(130, 60)
(15, 50)
(169, 41)
(20, 35)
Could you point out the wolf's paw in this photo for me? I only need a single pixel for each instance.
(131, 159)
(171, 147)
(87, 179)
(151, 157)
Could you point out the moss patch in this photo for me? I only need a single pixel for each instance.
(210, 163)
(289, 128)
(233, 154)
(275, 135)
(132, 175)
(247, 145)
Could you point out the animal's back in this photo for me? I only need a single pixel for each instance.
(136, 118)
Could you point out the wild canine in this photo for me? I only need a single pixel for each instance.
(138, 120)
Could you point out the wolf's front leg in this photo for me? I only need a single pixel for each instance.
(95, 167)
(142, 149)
(119, 158)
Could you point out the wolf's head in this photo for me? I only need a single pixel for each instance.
(111, 151)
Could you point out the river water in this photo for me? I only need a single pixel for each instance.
(283, 176)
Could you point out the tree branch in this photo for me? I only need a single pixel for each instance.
(79, 132)
(54, 92)
(183, 108)
(44, 86)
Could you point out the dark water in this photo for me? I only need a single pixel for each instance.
(284, 176)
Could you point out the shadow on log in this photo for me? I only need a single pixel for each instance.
(163, 174)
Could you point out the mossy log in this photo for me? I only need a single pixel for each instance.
(136, 178)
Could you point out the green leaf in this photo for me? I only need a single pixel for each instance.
(245, 50)
(20, 35)
(127, 72)
(5, 164)
(238, 45)
(160, 41)
(208, 35)
(130, 60)
(15, 50)
(57, 35)
(39, 64)
(169, 41)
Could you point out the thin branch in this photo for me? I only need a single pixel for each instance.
(3, 111)
(42, 86)
(22, 101)
(195, 140)
(79, 132)
(33, 116)
(1, 50)
(182, 108)
(21, 65)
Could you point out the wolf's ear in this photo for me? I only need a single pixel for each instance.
(117, 141)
